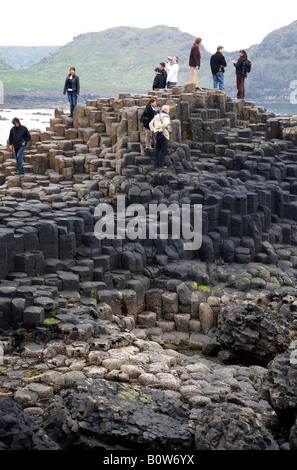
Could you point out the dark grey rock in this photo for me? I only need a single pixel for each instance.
(227, 426)
(19, 432)
(97, 413)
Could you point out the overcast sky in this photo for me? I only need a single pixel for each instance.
(234, 24)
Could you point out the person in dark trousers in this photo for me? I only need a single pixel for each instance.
(72, 87)
(158, 80)
(148, 115)
(18, 138)
(240, 74)
(195, 61)
(217, 65)
(160, 125)
(163, 73)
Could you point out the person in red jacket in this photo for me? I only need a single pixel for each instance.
(194, 61)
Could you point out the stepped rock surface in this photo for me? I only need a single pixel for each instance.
(143, 324)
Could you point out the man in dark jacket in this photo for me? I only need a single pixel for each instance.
(158, 80)
(163, 73)
(72, 87)
(217, 65)
(18, 138)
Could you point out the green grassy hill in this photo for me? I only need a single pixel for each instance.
(118, 59)
(123, 59)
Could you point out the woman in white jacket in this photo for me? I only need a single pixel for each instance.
(172, 71)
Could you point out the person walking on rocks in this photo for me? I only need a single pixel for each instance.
(240, 73)
(161, 127)
(18, 138)
(172, 71)
(217, 65)
(72, 87)
(195, 61)
(147, 116)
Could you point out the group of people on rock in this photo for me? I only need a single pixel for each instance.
(166, 76)
(157, 127)
(218, 63)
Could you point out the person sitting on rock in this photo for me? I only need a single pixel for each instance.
(161, 127)
(148, 115)
(72, 87)
(158, 80)
(18, 138)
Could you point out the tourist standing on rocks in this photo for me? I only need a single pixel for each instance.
(147, 116)
(172, 67)
(161, 127)
(72, 88)
(158, 80)
(240, 73)
(217, 65)
(163, 73)
(18, 138)
(195, 61)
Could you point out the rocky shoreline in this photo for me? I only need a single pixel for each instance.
(126, 345)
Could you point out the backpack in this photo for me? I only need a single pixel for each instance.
(142, 117)
(247, 67)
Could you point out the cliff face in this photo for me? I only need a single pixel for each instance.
(274, 63)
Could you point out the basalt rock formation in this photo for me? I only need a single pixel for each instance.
(74, 308)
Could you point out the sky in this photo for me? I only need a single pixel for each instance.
(233, 24)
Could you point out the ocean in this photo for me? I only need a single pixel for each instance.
(31, 118)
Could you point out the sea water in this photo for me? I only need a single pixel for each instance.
(31, 118)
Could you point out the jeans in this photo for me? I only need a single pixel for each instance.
(72, 98)
(169, 84)
(161, 150)
(218, 78)
(19, 159)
